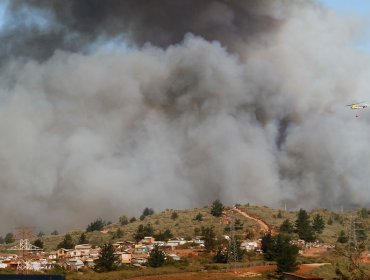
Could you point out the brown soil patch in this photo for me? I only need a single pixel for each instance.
(264, 227)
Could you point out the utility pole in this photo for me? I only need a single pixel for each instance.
(24, 245)
(233, 250)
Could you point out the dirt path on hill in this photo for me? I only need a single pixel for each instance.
(261, 223)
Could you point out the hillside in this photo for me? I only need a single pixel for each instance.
(186, 226)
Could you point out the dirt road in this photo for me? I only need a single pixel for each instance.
(264, 227)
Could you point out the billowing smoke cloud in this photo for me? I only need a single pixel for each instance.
(236, 100)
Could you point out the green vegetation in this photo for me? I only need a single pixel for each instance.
(123, 220)
(98, 224)
(67, 242)
(217, 208)
(9, 238)
(157, 257)
(38, 243)
(107, 261)
(303, 226)
(146, 212)
(279, 248)
(83, 239)
(318, 223)
(143, 231)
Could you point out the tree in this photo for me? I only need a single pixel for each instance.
(156, 257)
(147, 212)
(303, 226)
(143, 231)
(39, 243)
(96, 225)
(209, 238)
(2, 240)
(67, 242)
(279, 248)
(54, 232)
(318, 223)
(286, 227)
(118, 233)
(83, 239)
(123, 220)
(133, 219)
(217, 208)
(221, 256)
(107, 261)
(163, 236)
(268, 247)
(199, 217)
(9, 238)
(342, 238)
(40, 234)
(174, 216)
(285, 253)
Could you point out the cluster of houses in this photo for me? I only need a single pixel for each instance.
(128, 253)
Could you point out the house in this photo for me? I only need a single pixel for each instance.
(74, 264)
(139, 259)
(148, 240)
(83, 249)
(249, 245)
(53, 255)
(175, 243)
(125, 258)
(94, 253)
(62, 253)
(174, 257)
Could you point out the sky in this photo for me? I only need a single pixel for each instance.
(357, 8)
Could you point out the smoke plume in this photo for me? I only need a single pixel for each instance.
(108, 107)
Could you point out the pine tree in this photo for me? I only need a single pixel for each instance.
(285, 253)
(342, 238)
(156, 257)
(107, 261)
(303, 226)
(221, 256)
(123, 220)
(9, 238)
(39, 243)
(146, 212)
(209, 238)
(318, 223)
(67, 242)
(217, 208)
(83, 239)
(286, 227)
(268, 247)
(96, 225)
(143, 231)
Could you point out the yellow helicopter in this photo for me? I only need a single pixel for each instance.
(359, 105)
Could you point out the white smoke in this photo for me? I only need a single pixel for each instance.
(112, 132)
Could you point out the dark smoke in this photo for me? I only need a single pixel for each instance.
(108, 107)
(75, 25)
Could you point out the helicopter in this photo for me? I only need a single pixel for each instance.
(359, 105)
